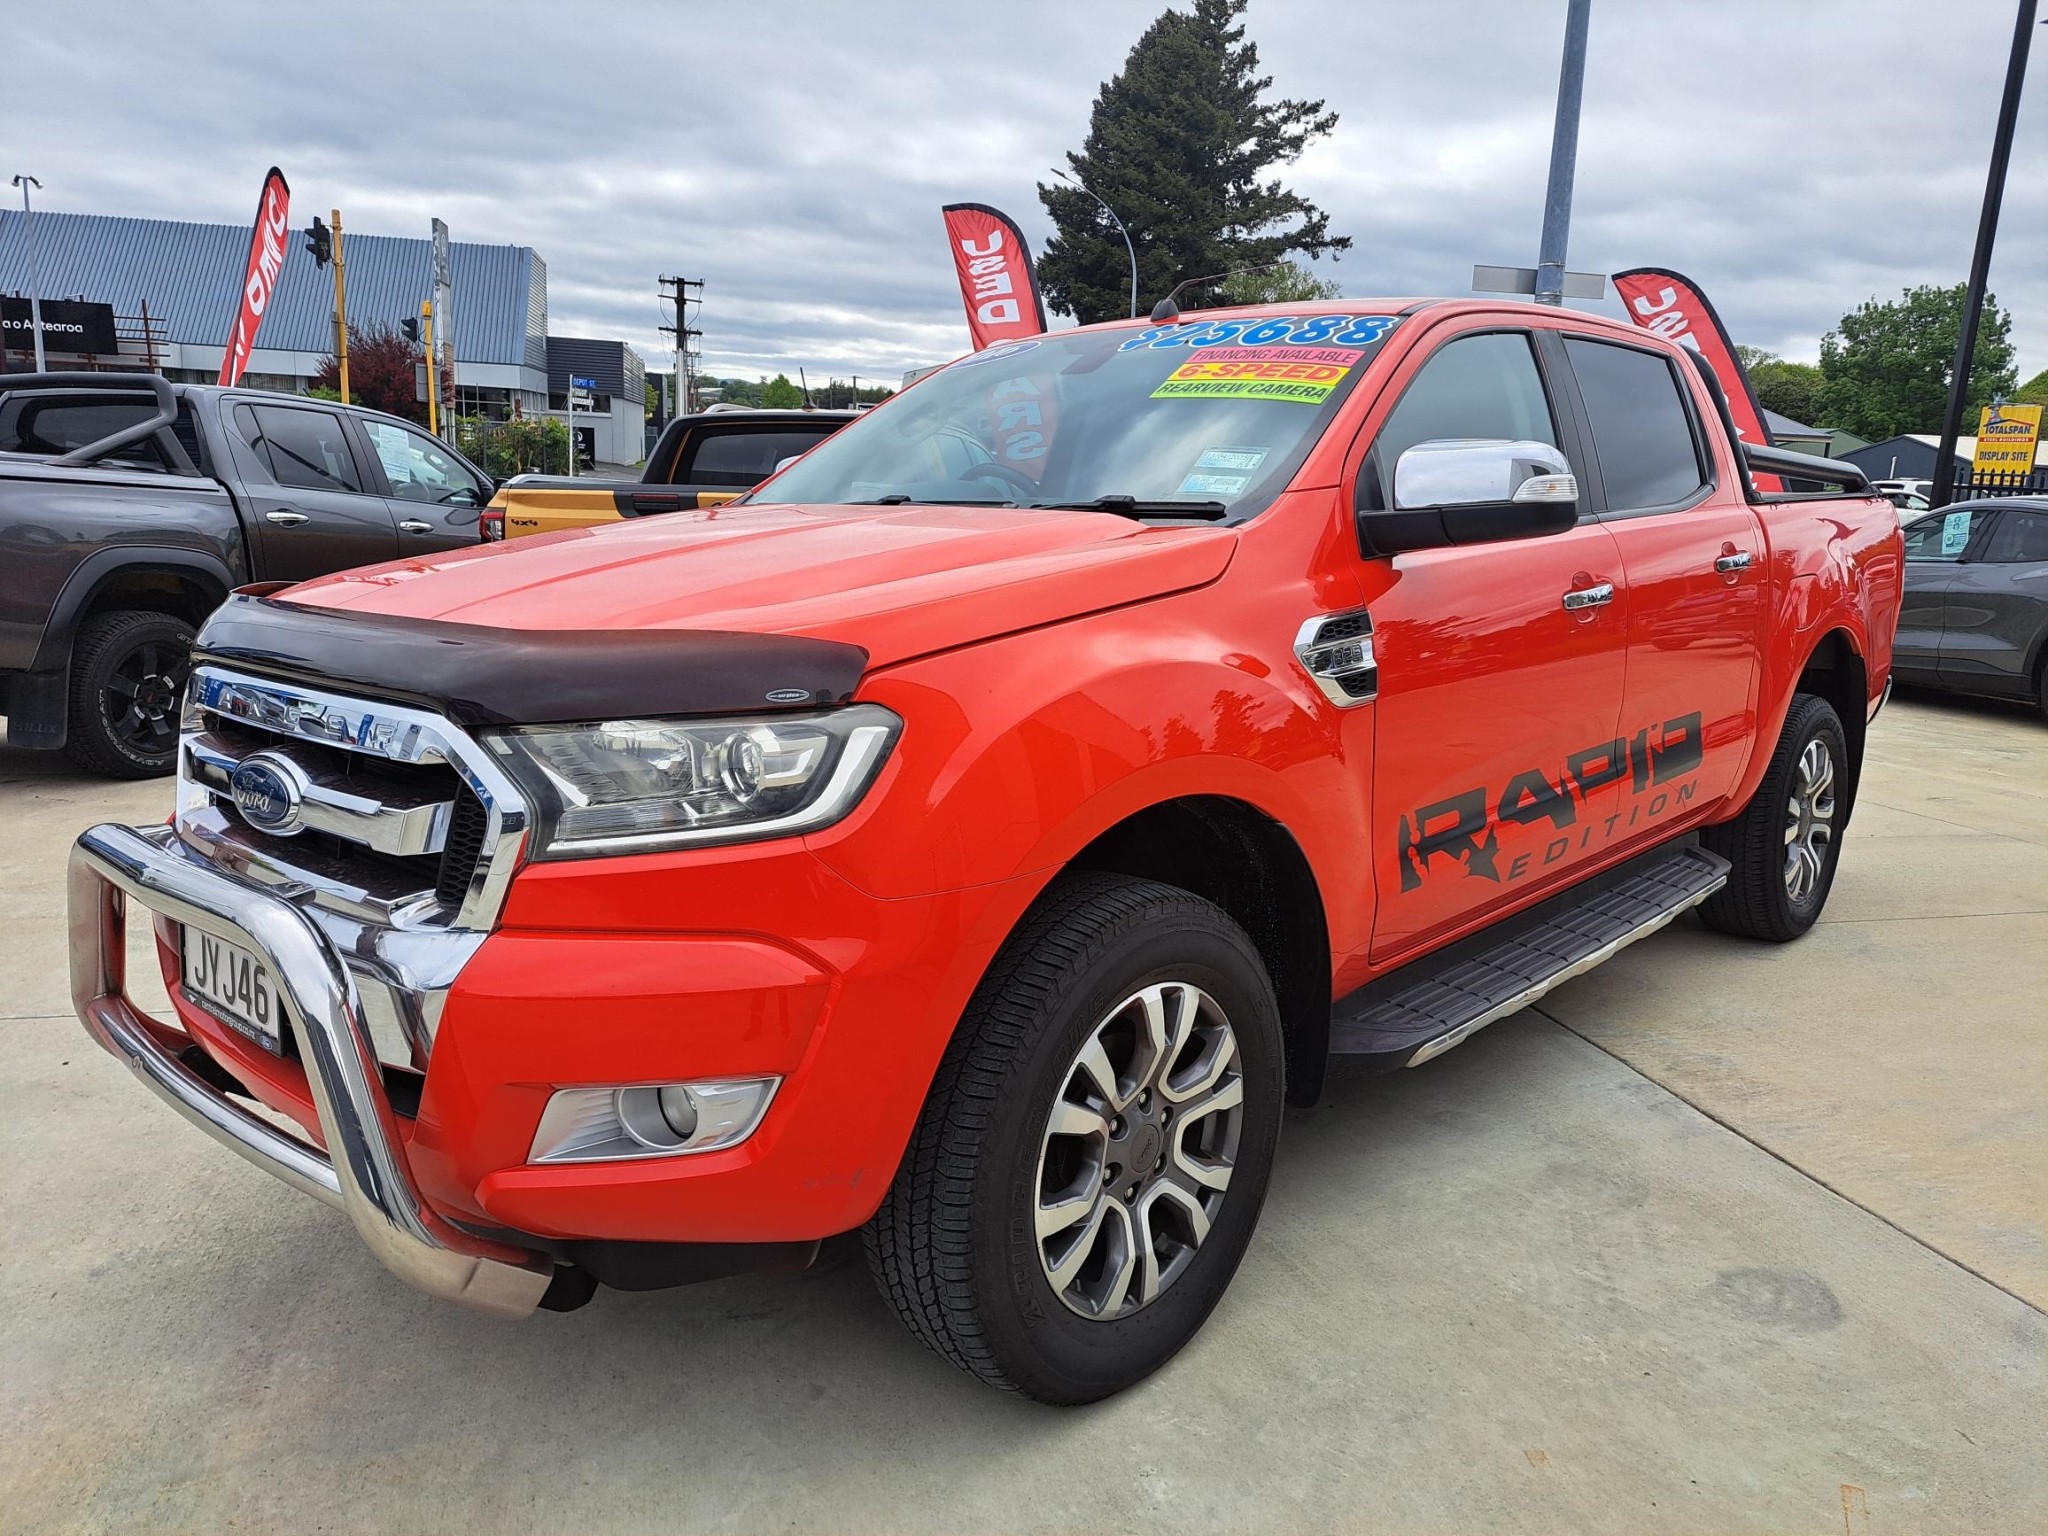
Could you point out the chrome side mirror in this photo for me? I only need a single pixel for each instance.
(1469, 491)
(1461, 472)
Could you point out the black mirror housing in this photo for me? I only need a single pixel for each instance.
(1382, 532)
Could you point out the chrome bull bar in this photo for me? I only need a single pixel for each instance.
(364, 1172)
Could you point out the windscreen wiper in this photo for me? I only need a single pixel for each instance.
(898, 499)
(1131, 506)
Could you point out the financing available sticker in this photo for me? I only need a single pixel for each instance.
(1251, 375)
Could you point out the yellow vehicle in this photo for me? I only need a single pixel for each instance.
(703, 460)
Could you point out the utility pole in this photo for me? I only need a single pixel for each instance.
(678, 289)
(340, 307)
(1564, 156)
(35, 287)
(1980, 262)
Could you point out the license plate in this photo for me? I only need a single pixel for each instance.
(231, 983)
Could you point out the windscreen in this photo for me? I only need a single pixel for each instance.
(1208, 418)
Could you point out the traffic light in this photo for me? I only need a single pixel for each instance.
(411, 328)
(320, 243)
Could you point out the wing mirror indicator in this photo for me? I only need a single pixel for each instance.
(1452, 491)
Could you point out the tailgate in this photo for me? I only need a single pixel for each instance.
(550, 509)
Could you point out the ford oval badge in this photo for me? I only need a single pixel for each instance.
(269, 792)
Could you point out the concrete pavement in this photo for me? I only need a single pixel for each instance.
(1726, 1238)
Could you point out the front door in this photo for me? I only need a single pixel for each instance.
(434, 495)
(1496, 750)
(1935, 545)
(1693, 555)
(312, 510)
(1997, 604)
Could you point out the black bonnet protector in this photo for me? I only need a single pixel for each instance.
(478, 675)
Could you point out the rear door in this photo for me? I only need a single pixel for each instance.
(1935, 546)
(1996, 606)
(313, 508)
(1496, 759)
(1693, 555)
(433, 494)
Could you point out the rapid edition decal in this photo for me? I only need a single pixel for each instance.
(1460, 831)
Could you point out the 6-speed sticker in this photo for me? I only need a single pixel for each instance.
(1221, 378)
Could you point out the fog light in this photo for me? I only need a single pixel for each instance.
(596, 1125)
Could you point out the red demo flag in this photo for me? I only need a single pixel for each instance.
(996, 281)
(1672, 305)
(266, 260)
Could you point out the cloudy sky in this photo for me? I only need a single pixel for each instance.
(1794, 156)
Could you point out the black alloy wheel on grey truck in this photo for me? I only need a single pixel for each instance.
(1093, 1154)
(1784, 846)
(128, 671)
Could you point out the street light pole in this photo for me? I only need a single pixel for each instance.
(1131, 249)
(1980, 262)
(35, 288)
(1564, 157)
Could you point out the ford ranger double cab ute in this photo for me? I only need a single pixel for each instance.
(977, 849)
(702, 460)
(131, 506)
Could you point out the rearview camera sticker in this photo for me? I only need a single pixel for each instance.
(1219, 378)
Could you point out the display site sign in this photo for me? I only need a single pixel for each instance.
(266, 260)
(2008, 436)
(68, 326)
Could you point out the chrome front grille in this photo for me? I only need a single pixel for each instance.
(392, 827)
(375, 810)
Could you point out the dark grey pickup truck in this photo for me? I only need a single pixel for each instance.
(130, 507)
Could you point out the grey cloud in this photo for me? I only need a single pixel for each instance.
(1794, 158)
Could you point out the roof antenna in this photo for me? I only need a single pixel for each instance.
(1166, 310)
(807, 389)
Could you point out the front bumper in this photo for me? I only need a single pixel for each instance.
(363, 1172)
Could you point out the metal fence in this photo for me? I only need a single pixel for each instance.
(1971, 485)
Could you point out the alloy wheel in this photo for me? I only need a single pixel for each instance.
(1138, 1150)
(143, 696)
(1810, 821)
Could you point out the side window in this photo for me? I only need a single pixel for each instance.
(1944, 536)
(308, 449)
(421, 469)
(740, 460)
(1475, 386)
(1642, 431)
(2021, 538)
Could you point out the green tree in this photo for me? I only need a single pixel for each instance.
(2034, 391)
(1886, 369)
(778, 394)
(1288, 283)
(1180, 145)
(1790, 389)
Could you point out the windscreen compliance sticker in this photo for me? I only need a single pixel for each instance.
(1214, 485)
(1231, 458)
(1213, 378)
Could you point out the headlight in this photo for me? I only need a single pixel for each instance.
(636, 786)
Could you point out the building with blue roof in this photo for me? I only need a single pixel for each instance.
(174, 288)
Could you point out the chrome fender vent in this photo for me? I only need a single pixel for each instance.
(1335, 649)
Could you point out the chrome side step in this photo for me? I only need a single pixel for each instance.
(1441, 1001)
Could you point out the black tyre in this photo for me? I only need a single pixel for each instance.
(1092, 1158)
(128, 673)
(1785, 844)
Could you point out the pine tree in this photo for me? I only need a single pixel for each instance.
(1180, 145)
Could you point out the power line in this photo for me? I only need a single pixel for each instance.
(683, 292)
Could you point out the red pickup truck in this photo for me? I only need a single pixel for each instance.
(976, 835)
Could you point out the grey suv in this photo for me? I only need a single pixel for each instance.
(1975, 618)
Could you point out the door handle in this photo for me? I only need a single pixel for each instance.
(1728, 565)
(1589, 597)
(285, 519)
(414, 525)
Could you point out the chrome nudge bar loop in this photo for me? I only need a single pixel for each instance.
(364, 1171)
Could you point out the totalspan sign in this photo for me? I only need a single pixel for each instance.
(2008, 436)
(266, 260)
